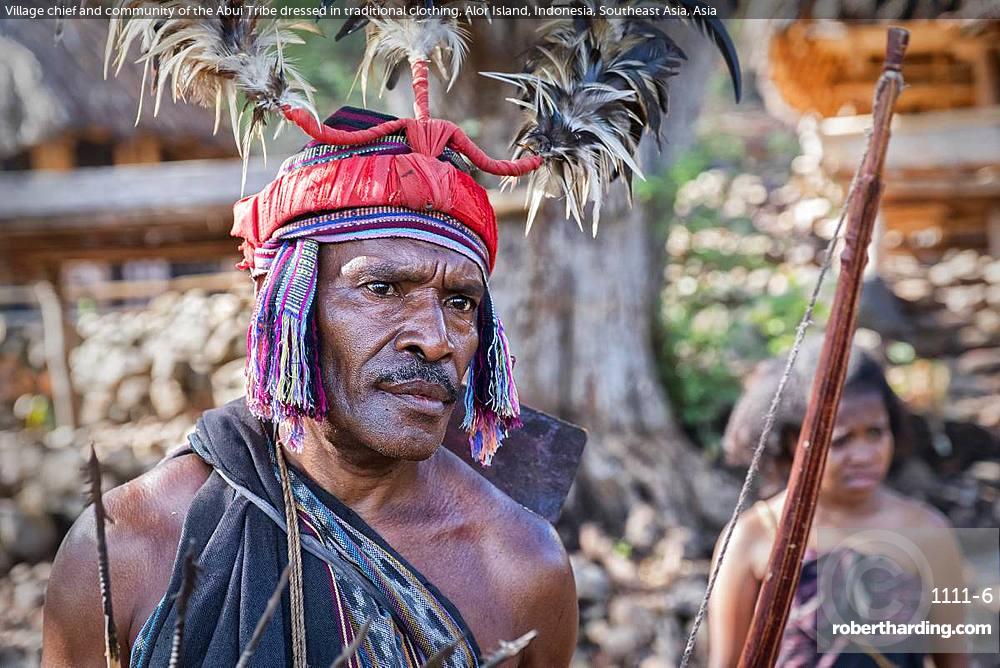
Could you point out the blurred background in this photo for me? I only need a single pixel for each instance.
(122, 317)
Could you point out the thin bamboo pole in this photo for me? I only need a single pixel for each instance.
(112, 652)
(54, 338)
(784, 567)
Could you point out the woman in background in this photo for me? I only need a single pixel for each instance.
(868, 432)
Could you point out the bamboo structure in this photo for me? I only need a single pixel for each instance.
(785, 563)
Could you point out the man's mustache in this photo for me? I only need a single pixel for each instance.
(420, 370)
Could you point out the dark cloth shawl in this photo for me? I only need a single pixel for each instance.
(236, 528)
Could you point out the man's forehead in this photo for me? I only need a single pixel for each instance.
(395, 255)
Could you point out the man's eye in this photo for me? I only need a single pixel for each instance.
(461, 303)
(381, 288)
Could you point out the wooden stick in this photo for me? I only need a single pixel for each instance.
(440, 656)
(348, 653)
(785, 564)
(103, 562)
(54, 339)
(509, 649)
(189, 575)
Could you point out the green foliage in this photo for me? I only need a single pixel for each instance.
(623, 548)
(900, 352)
(731, 297)
(36, 411)
(329, 65)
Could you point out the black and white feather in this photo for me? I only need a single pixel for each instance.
(212, 61)
(590, 88)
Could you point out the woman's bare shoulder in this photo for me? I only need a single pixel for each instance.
(750, 544)
(914, 513)
(760, 521)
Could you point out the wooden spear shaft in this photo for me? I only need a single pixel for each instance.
(784, 566)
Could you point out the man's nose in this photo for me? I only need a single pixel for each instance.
(425, 332)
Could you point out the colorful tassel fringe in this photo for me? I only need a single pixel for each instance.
(284, 383)
(491, 404)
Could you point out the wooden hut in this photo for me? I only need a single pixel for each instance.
(943, 167)
(88, 197)
(57, 111)
(83, 181)
(938, 248)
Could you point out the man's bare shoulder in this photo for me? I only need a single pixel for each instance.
(528, 563)
(147, 513)
(145, 520)
(503, 523)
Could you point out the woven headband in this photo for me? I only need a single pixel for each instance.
(377, 223)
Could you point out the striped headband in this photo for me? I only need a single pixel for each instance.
(384, 172)
(377, 222)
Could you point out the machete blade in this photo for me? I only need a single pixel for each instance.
(536, 464)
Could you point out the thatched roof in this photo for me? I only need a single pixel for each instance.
(49, 88)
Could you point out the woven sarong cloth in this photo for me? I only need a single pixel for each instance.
(235, 525)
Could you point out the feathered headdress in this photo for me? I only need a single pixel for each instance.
(590, 88)
(213, 61)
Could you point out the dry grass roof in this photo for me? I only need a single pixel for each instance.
(48, 89)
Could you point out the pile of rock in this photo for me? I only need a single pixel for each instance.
(22, 592)
(143, 376)
(951, 312)
(23, 379)
(638, 596)
(178, 356)
(41, 494)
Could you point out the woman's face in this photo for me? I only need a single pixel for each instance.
(861, 448)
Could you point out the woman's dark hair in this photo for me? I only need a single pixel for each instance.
(864, 374)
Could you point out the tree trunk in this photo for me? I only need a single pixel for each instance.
(580, 311)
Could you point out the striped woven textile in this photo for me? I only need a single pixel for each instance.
(235, 526)
(418, 624)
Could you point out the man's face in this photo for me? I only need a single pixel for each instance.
(397, 324)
